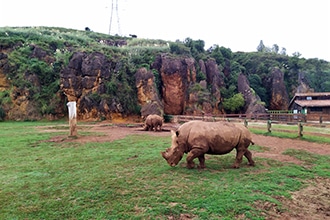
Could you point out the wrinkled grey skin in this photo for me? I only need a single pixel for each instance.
(153, 123)
(197, 138)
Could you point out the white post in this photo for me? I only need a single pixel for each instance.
(72, 118)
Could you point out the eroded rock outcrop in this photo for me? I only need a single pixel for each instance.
(83, 81)
(252, 100)
(213, 78)
(176, 76)
(147, 93)
(279, 95)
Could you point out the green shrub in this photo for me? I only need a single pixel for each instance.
(234, 103)
(2, 114)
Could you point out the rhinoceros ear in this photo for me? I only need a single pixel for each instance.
(174, 133)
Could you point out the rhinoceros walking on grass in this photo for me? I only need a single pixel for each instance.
(153, 122)
(197, 138)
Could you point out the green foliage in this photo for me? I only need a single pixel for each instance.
(226, 52)
(167, 118)
(179, 48)
(231, 82)
(203, 94)
(234, 104)
(196, 48)
(256, 84)
(317, 74)
(121, 87)
(216, 53)
(228, 92)
(2, 113)
(200, 76)
(261, 47)
(157, 80)
(5, 97)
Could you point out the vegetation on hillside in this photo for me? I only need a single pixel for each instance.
(133, 53)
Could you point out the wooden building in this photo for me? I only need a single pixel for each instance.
(311, 103)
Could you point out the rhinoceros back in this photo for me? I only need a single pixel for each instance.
(216, 137)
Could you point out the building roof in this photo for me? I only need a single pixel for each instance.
(313, 103)
(312, 94)
(309, 94)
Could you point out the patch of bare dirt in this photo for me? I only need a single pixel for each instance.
(312, 202)
(309, 203)
(278, 145)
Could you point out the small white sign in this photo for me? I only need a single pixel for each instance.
(72, 109)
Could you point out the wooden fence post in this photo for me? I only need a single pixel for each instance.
(300, 129)
(246, 123)
(72, 118)
(269, 126)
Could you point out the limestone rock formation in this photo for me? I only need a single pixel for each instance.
(177, 74)
(20, 107)
(252, 101)
(303, 86)
(279, 95)
(83, 81)
(213, 78)
(147, 93)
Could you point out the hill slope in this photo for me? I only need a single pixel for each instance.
(41, 69)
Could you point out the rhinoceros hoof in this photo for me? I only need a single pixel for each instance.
(201, 166)
(191, 165)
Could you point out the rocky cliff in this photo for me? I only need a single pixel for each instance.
(113, 77)
(86, 79)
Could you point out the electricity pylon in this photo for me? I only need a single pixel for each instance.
(114, 12)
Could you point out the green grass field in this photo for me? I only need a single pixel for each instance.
(128, 179)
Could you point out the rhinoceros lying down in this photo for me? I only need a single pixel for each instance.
(197, 138)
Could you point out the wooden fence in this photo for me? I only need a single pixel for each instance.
(274, 117)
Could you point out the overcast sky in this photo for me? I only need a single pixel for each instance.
(298, 25)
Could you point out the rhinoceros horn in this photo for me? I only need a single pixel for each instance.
(165, 154)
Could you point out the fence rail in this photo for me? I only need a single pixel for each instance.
(275, 117)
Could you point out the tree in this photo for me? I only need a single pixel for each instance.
(216, 54)
(226, 52)
(261, 47)
(275, 48)
(283, 51)
(234, 104)
(296, 54)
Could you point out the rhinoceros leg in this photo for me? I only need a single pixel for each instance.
(248, 155)
(201, 159)
(194, 153)
(239, 157)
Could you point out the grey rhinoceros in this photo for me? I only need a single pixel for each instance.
(153, 122)
(197, 138)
